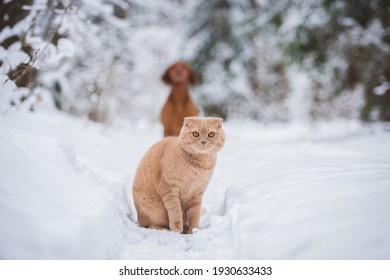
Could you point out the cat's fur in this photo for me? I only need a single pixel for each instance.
(174, 173)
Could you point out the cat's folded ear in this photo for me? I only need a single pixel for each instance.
(219, 121)
(189, 120)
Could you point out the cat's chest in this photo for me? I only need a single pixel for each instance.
(190, 175)
(193, 185)
(195, 180)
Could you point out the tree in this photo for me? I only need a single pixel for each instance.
(239, 59)
(20, 73)
(352, 47)
(72, 49)
(216, 54)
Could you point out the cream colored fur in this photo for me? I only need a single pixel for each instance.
(174, 173)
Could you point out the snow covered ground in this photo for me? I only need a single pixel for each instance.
(278, 192)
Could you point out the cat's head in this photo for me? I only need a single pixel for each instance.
(202, 135)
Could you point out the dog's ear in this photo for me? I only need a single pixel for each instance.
(192, 76)
(166, 77)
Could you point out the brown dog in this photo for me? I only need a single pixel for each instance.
(179, 103)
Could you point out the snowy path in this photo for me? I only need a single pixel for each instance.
(278, 192)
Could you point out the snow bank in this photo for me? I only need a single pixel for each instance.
(278, 192)
(61, 187)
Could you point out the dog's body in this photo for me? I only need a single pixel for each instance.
(179, 103)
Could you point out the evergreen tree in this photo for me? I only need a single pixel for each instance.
(238, 57)
(352, 46)
(217, 53)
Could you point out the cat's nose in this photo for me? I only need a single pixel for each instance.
(203, 142)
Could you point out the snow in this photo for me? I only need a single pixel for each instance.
(382, 89)
(290, 191)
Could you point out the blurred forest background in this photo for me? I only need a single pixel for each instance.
(271, 61)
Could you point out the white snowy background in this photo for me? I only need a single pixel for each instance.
(278, 192)
(290, 189)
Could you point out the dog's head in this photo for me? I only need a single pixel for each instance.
(179, 73)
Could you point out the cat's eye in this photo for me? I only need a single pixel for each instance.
(211, 134)
(195, 134)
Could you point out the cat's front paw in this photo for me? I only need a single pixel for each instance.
(187, 230)
(176, 226)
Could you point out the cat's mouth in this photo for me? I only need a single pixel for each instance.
(203, 145)
(203, 148)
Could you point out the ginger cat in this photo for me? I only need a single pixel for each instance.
(173, 174)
